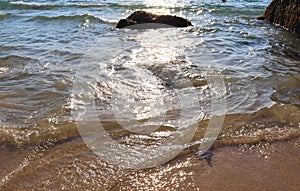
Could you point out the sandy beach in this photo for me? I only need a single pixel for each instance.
(71, 165)
(232, 169)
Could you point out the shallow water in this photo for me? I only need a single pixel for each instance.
(56, 57)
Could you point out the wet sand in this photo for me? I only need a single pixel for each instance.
(262, 167)
(72, 166)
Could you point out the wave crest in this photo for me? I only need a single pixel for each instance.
(71, 18)
(21, 5)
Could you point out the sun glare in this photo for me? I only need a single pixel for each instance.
(161, 6)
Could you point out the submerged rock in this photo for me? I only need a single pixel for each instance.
(285, 13)
(141, 17)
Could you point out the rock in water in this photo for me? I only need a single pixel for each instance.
(285, 13)
(140, 17)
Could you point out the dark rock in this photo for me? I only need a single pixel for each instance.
(285, 13)
(140, 17)
(125, 22)
(261, 18)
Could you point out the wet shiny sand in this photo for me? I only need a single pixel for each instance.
(72, 166)
(232, 169)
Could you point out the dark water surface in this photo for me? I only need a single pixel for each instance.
(46, 46)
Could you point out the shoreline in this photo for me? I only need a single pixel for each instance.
(264, 166)
(233, 168)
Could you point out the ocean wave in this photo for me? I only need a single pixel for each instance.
(31, 135)
(21, 5)
(4, 15)
(279, 122)
(72, 18)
